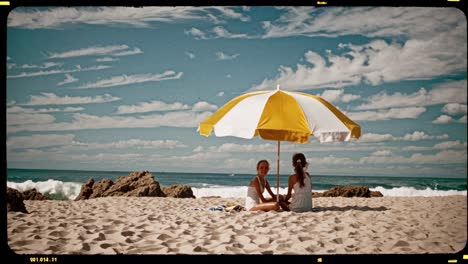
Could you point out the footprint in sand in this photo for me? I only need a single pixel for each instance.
(53, 248)
(105, 245)
(100, 237)
(127, 233)
(199, 249)
(22, 243)
(109, 231)
(164, 237)
(401, 243)
(58, 233)
(88, 221)
(338, 240)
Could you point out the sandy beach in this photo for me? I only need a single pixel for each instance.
(153, 225)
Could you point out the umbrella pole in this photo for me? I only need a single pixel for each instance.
(277, 174)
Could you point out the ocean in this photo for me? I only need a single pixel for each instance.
(66, 184)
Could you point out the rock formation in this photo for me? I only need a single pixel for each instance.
(138, 183)
(178, 191)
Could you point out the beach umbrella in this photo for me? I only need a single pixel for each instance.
(280, 116)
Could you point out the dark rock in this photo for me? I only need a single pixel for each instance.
(15, 201)
(316, 194)
(33, 194)
(138, 183)
(86, 190)
(178, 191)
(100, 187)
(376, 194)
(348, 191)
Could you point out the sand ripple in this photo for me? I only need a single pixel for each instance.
(150, 225)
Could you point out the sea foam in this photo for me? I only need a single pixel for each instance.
(54, 188)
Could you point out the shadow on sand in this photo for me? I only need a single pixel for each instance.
(346, 208)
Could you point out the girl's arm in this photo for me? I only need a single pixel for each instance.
(290, 185)
(267, 186)
(260, 194)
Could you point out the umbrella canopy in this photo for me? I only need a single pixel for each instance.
(281, 116)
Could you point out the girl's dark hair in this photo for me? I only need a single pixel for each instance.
(260, 162)
(299, 162)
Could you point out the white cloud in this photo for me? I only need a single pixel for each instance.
(335, 96)
(198, 157)
(450, 144)
(38, 141)
(115, 159)
(222, 56)
(203, 106)
(53, 99)
(442, 157)
(330, 160)
(451, 92)
(43, 66)
(231, 13)
(130, 16)
(392, 113)
(214, 19)
(240, 164)
(135, 51)
(415, 136)
(420, 22)
(107, 59)
(443, 119)
(243, 148)
(455, 108)
(25, 119)
(18, 109)
(124, 144)
(190, 55)
(198, 149)
(68, 79)
(462, 119)
(132, 79)
(373, 63)
(421, 135)
(77, 69)
(197, 33)
(382, 153)
(150, 107)
(416, 148)
(220, 94)
(221, 32)
(372, 137)
(90, 51)
(85, 121)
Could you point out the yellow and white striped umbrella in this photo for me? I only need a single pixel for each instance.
(281, 116)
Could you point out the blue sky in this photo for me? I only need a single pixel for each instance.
(121, 88)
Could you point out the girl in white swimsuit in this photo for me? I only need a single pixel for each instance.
(301, 183)
(254, 200)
